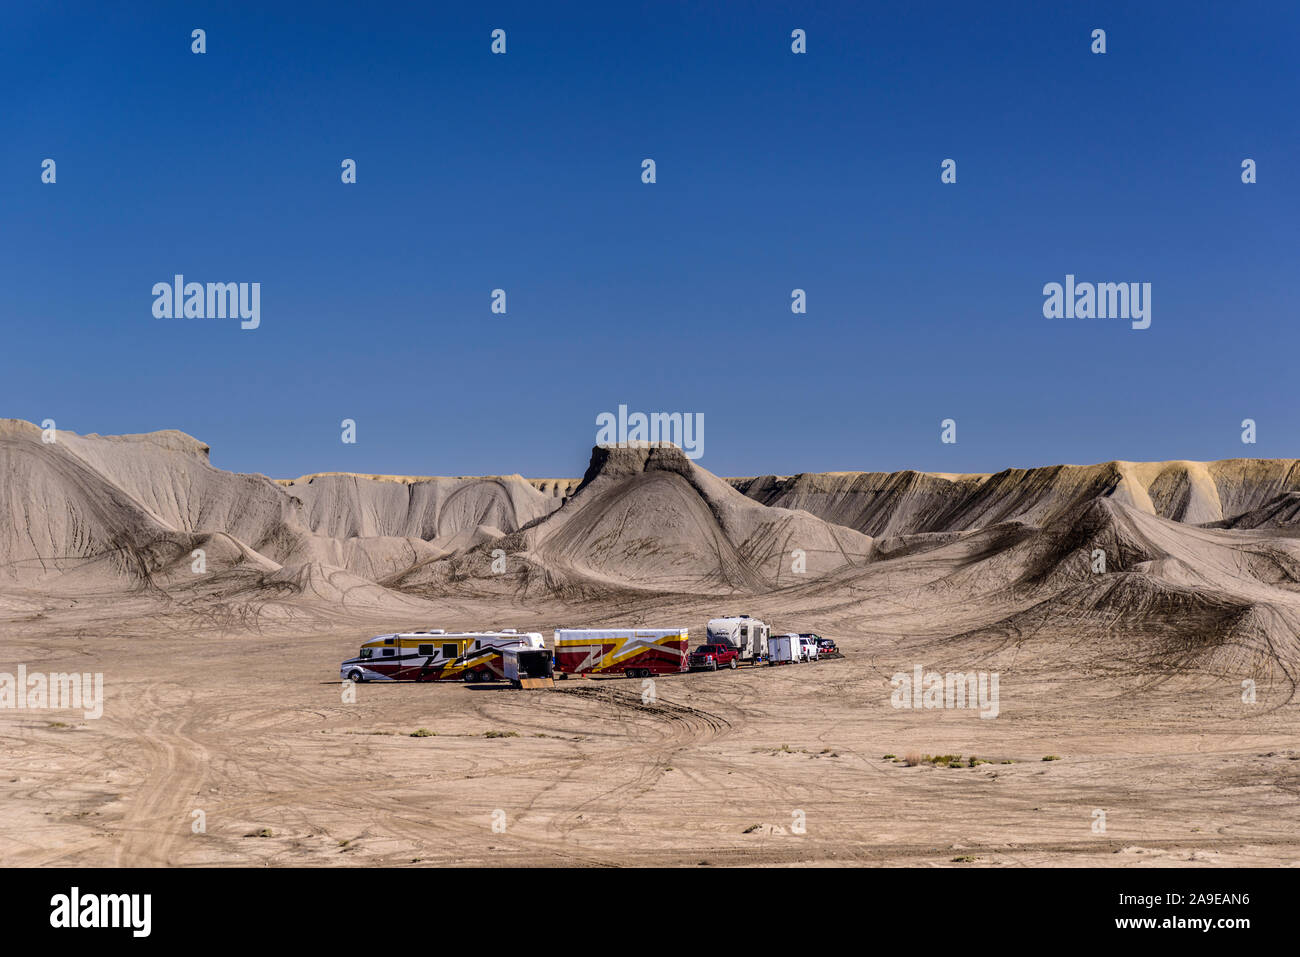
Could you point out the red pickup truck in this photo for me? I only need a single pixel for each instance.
(713, 657)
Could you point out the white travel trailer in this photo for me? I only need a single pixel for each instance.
(747, 635)
(784, 650)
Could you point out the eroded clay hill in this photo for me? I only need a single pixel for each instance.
(1173, 564)
(650, 518)
(123, 511)
(896, 503)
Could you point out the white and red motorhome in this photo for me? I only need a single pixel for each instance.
(436, 655)
(635, 652)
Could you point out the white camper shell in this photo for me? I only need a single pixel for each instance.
(784, 650)
(747, 635)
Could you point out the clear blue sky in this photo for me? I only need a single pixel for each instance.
(775, 171)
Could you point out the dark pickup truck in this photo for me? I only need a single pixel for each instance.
(825, 646)
(713, 657)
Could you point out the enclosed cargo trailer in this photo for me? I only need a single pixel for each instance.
(784, 650)
(528, 667)
(635, 652)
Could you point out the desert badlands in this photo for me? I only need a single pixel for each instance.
(1141, 620)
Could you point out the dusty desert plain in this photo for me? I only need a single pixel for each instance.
(226, 737)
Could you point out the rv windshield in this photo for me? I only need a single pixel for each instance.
(367, 652)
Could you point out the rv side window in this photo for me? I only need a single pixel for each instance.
(389, 652)
(426, 650)
(388, 641)
(449, 651)
(367, 652)
(478, 644)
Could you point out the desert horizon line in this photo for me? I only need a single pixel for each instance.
(409, 478)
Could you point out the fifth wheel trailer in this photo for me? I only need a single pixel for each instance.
(747, 635)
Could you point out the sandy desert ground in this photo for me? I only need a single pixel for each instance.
(222, 696)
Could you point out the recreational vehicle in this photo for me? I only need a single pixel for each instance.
(436, 655)
(747, 635)
(635, 652)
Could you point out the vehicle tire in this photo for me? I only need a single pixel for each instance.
(734, 666)
(355, 676)
(714, 666)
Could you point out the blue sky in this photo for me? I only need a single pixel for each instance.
(775, 171)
